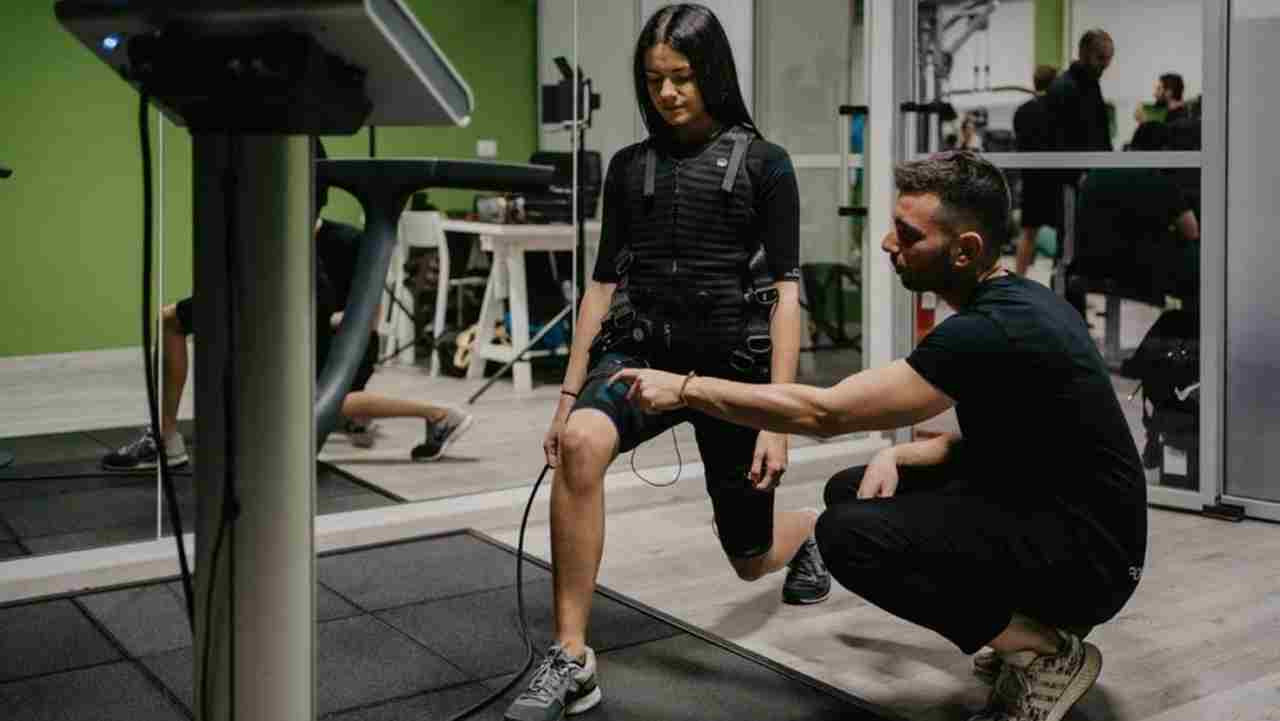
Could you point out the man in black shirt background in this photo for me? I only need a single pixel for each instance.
(1041, 199)
(1075, 97)
(1019, 533)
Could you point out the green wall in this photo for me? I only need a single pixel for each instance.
(1049, 18)
(72, 212)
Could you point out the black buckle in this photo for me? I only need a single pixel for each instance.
(759, 344)
(624, 263)
(741, 360)
(763, 296)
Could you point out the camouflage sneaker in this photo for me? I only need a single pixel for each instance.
(561, 686)
(1035, 687)
(808, 580)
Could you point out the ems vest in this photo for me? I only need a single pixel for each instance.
(692, 231)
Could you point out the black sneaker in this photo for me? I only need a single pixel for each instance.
(561, 686)
(441, 435)
(808, 580)
(143, 454)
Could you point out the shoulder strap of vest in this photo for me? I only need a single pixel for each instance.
(741, 141)
(650, 167)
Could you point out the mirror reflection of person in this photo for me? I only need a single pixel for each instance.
(1021, 532)
(685, 214)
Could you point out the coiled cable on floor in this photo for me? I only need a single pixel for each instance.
(524, 625)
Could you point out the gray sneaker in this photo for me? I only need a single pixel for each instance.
(441, 435)
(561, 686)
(808, 580)
(1035, 687)
(144, 454)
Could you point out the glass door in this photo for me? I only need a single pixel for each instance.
(1108, 205)
(808, 86)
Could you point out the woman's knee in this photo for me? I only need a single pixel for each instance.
(586, 447)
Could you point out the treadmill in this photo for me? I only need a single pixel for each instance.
(251, 80)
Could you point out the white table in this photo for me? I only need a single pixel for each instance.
(509, 242)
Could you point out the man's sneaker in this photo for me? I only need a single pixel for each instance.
(987, 664)
(561, 686)
(1034, 687)
(808, 580)
(361, 434)
(441, 435)
(143, 454)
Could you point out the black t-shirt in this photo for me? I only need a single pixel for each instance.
(1039, 417)
(777, 206)
(1033, 126)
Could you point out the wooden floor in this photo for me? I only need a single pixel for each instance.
(1199, 641)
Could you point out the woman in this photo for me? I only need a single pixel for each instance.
(697, 273)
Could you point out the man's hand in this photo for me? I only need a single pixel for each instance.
(770, 460)
(881, 477)
(654, 391)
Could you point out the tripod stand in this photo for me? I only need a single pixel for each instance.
(558, 104)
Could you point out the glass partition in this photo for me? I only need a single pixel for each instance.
(1105, 172)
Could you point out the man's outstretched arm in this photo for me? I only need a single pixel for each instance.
(883, 398)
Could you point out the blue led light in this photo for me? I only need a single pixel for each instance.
(111, 42)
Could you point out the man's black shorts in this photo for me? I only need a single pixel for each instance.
(743, 515)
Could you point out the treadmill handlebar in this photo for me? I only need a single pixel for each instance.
(383, 188)
(414, 174)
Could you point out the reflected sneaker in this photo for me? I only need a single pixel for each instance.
(143, 454)
(441, 435)
(808, 580)
(561, 686)
(361, 435)
(1034, 687)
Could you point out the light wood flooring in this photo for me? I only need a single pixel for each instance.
(1199, 641)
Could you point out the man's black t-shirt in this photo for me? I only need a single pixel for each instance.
(777, 206)
(1039, 417)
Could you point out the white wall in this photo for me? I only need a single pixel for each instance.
(1152, 37)
(1008, 46)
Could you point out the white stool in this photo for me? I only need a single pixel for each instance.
(420, 229)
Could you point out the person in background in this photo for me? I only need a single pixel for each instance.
(1041, 198)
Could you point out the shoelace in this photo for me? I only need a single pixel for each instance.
(551, 674)
(144, 442)
(1010, 689)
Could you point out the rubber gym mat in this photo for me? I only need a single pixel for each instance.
(57, 498)
(412, 629)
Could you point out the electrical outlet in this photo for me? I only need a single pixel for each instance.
(486, 148)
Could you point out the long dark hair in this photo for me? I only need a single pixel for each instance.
(695, 32)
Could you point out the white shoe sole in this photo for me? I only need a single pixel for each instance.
(586, 703)
(1079, 685)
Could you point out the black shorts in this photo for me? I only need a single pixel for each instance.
(324, 338)
(743, 515)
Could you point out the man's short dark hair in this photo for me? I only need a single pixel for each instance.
(1094, 40)
(1172, 82)
(973, 193)
(1043, 77)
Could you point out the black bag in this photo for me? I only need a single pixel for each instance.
(1167, 364)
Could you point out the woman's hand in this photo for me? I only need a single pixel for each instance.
(551, 442)
(881, 477)
(654, 391)
(770, 460)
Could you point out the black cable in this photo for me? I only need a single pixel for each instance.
(524, 626)
(230, 510)
(153, 408)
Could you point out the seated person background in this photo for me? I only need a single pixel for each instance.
(336, 248)
(1135, 225)
(1023, 531)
